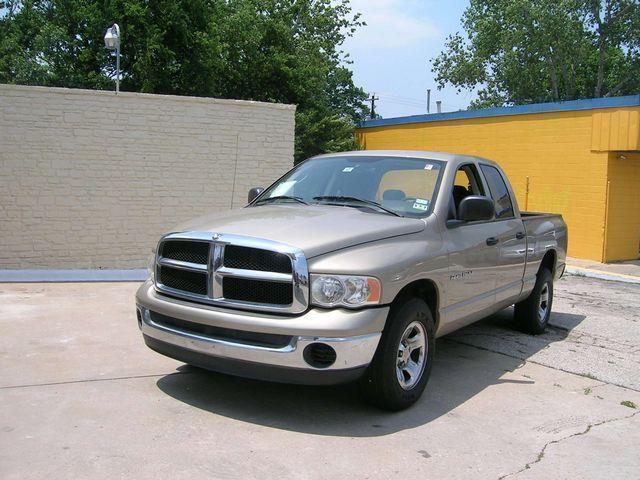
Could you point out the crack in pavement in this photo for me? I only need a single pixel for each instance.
(598, 386)
(538, 363)
(572, 338)
(542, 452)
(89, 380)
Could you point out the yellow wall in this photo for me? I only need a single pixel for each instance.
(553, 149)
(616, 129)
(623, 214)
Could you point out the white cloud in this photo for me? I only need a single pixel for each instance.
(392, 24)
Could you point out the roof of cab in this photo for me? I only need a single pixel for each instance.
(427, 155)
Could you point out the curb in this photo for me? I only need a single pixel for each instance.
(591, 273)
(72, 275)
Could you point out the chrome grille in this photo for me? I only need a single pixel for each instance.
(233, 270)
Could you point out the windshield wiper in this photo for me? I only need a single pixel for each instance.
(281, 197)
(341, 198)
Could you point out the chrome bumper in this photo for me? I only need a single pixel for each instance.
(354, 335)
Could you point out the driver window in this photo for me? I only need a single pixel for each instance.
(466, 183)
(407, 185)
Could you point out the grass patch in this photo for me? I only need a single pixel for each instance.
(628, 403)
(589, 375)
(587, 391)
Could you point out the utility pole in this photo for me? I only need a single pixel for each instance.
(439, 106)
(373, 104)
(428, 100)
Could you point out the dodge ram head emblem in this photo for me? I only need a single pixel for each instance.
(216, 236)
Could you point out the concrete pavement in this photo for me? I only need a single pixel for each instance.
(82, 397)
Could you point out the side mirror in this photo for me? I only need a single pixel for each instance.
(475, 208)
(254, 193)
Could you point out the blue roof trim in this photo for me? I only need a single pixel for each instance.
(587, 104)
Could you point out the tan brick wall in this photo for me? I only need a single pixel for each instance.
(89, 179)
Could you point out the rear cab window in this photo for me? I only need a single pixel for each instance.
(499, 192)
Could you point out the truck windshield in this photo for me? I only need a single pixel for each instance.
(398, 185)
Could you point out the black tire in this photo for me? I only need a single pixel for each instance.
(381, 385)
(532, 314)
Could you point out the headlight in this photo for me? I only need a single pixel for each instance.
(344, 290)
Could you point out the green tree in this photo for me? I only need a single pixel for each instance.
(266, 50)
(525, 51)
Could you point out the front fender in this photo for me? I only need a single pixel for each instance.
(396, 262)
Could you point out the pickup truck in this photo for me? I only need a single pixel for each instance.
(348, 268)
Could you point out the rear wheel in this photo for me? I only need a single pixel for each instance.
(401, 366)
(532, 314)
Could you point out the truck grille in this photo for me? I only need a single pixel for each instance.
(185, 251)
(183, 280)
(233, 270)
(256, 259)
(244, 290)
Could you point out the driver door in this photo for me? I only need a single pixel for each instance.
(473, 257)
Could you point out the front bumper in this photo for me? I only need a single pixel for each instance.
(353, 335)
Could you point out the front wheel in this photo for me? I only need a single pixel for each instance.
(532, 314)
(401, 366)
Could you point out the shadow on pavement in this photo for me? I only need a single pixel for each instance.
(459, 373)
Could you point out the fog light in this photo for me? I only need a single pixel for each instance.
(319, 355)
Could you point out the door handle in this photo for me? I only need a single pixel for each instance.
(520, 235)
(492, 241)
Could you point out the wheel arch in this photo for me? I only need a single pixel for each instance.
(425, 289)
(549, 261)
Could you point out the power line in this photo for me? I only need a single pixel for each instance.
(397, 99)
(419, 108)
(402, 102)
(403, 99)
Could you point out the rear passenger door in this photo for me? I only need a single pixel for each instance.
(509, 232)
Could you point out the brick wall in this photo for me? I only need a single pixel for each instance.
(89, 179)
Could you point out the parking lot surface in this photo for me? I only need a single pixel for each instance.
(82, 397)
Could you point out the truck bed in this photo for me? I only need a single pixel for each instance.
(527, 215)
(544, 230)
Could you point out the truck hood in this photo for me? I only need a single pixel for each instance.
(315, 229)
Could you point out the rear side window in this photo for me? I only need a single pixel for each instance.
(499, 192)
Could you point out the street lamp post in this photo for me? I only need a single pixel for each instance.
(112, 42)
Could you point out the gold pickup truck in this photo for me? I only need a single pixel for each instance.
(348, 268)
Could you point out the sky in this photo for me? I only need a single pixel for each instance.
(392, 54)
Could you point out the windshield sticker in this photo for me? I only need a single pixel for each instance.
(428, 166)
(348, 169)
(420, 204)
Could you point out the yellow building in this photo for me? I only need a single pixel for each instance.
(578, 158)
